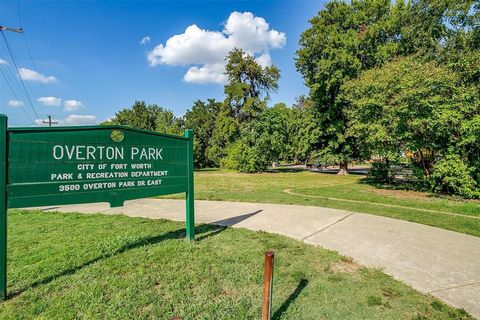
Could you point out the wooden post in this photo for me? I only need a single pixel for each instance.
(267, 285)
(3, 207)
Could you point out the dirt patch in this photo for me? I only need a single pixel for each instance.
(345, 266)
(401, 194)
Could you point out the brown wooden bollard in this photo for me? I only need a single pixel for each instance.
(267, 285)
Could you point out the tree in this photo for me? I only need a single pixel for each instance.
(225, 132)
(201, 118)
(303, 130)
(269, 133)
(249, 85)
(438, 29)
(148, 117)
(416, 106)
(343, 40)
(247, 92)
(262, 141)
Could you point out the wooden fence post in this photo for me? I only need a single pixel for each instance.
(267, 285)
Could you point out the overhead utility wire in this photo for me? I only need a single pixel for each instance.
(14, 94)
(18, 73)
(27, 46)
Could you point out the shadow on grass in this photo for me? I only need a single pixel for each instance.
(214, 230)
(358, 172)
(284, 170)
(48, 208)
(208, 230)
(207, 169)
(221, 225)
(293, 296)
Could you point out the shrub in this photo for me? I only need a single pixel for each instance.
(244, 158)
(452, 175)
(380, 172)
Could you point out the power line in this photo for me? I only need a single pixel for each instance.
(27, 46)
(7, 80)
(18, 73)
(11, 77)
(14, 94)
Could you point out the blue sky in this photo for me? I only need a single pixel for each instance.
(88, 61)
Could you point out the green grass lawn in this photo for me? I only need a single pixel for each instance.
(341, 192)
(73, 266)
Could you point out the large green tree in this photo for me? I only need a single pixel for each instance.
(303, 130)
(201, 118)
(343, 40)
(246, 94)
(262, 141)
(416, 107)
(249, 85)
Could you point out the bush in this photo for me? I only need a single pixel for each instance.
(244, 158)
(380, 172)
(452, 175)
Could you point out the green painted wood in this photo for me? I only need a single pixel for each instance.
(3, 207)
(56, 166)
(190, 205)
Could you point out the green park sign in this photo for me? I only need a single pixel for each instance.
(69, 165)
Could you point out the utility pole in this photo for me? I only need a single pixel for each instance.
(50, 122)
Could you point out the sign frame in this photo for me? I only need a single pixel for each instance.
(99, 196)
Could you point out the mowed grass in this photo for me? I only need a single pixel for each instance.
(73, 266)
(340, 192)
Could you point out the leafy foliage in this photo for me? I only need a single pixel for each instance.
(247, 92)
(389, 81)
(249, 85)
(148, 117)
(451, 175)
(415, 107)
(343, 40)
(303, 131)
(202, 119)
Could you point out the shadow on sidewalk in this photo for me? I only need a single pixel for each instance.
(234, 220)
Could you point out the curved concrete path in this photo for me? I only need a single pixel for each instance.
(443, 263)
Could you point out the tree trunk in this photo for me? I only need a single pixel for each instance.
(422, 160)
(343, 168)
(387, 166)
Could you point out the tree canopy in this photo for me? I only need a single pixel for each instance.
(148, 117)
(388, 82)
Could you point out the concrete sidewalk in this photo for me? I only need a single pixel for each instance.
(443, 263)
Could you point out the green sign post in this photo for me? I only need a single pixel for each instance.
(68, 165)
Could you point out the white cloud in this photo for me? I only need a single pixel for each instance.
(264, 60)
(207, 73)
(145, 40)
(72, 105)
(205, 51)
(15, 103)
(50, 101)
(3, 61)
(72, 120)
(31, 75)
(77, 120)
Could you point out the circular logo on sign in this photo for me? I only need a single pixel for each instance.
(117, 135)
